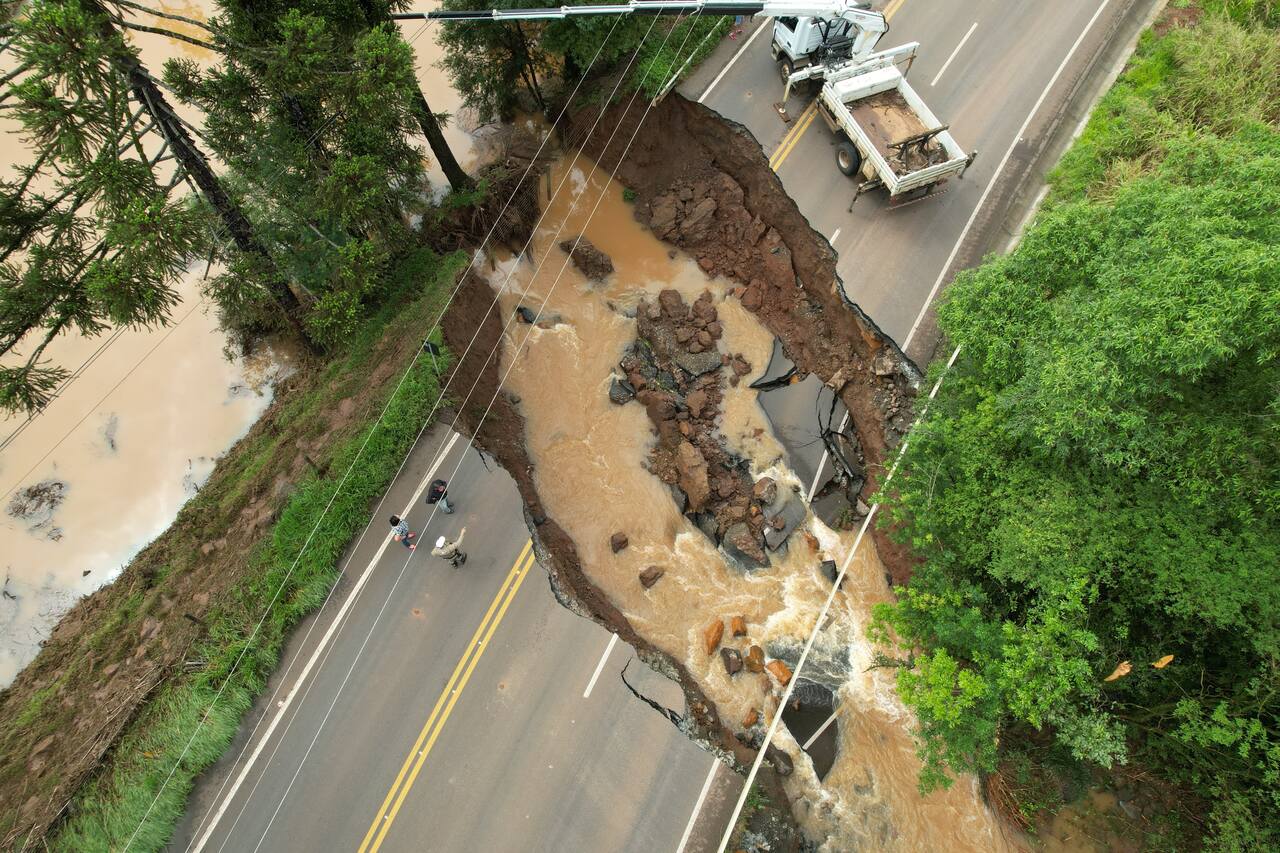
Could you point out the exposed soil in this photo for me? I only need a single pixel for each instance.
(505, 215)
(703, 183)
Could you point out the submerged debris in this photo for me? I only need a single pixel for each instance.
(36, 504)
(589, 260)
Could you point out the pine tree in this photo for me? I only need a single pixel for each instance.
(313, 121)
(90, 234)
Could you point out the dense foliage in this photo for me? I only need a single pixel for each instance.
(313, 122)
(502, 68)
(1097, 487)
(90, 236)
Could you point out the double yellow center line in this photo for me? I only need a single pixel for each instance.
(444, 705)
(793, 135)
(810, 112)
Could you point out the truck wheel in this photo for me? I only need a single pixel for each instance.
(785, 68)
(848, 160)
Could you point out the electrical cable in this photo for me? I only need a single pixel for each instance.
(404, 568)
(429, 419)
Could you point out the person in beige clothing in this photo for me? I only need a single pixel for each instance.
(451, 551)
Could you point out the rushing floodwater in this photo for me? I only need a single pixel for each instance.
(589, 461)
(134, 435)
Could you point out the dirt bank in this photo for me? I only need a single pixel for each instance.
(704, 184)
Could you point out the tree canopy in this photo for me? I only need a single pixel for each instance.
(92, 235)
(1097, 486)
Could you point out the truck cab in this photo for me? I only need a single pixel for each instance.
(798, 41)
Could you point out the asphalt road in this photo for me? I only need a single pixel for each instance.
(444, 709)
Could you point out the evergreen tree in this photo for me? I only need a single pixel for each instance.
(313, 122)
(90, 235)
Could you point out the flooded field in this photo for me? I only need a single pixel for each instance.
(106, 467)
(592, 461)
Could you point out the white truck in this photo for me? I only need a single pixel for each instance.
(887, 134)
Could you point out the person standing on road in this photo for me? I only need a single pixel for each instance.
(451, 551)
(401, 533)
(438, 494)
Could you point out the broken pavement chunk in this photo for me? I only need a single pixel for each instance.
(618, 541)
(738, 626)
(755, 659)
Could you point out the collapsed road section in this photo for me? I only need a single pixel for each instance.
(660, 501)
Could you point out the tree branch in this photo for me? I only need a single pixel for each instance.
(140, 8)
(209, 46)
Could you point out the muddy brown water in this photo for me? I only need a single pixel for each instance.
(130, 462)
(589, 460)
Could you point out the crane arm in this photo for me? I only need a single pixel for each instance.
(872, 23)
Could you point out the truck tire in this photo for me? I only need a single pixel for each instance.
(785, 68)
(848, 158)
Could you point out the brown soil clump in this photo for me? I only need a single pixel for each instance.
(703, 184)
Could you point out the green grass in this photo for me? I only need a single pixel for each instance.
(107, 811)
(659, 60)
(1217, 77)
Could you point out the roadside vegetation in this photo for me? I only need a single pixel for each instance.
(300, 190)
(502, 69)
(1095, 493)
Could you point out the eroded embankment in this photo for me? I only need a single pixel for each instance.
(659, 498)
(704, 184)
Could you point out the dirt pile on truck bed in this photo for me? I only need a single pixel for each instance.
(703, 183)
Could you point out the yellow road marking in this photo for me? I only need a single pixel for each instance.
(801, 126)
(419, 757)
(806, 118)
(791, 134)
(448, 690)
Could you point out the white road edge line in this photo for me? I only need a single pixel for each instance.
(282, 707)
(822, 463)
(697, 807)
(947, 64)
(613, 639)
(1017, 137)
(764, 25)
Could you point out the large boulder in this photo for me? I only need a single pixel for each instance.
(592, 262)
(693, 479)
(741, 545)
